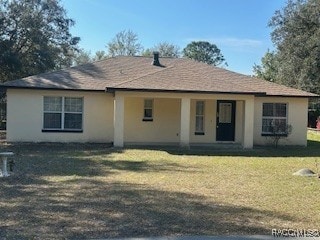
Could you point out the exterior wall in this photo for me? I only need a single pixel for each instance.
(209, 122)
(239, 121)
(165, 127)
(25, 117)
(297, 116)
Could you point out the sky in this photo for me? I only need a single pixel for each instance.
(239, 28)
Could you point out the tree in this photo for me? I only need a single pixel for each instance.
(34, 38)
(147, 52)
(165, 49)
(81, 57)
(268, 68)
(296, 34)
(204, 52)
(100, 55)
(279, 131)
(125, 43)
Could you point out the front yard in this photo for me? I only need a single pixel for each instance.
(78, 191)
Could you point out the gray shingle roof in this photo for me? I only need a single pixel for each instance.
(137, 73)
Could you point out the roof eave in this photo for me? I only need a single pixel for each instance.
(295, 96)
(256, 94)
(52, 88)
(112, 90)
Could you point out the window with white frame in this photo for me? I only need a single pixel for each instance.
(148, 110)
(274, 115)
(199, 128)
(62, 113)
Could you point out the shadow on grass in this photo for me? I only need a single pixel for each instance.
(85, 167)
(87, 208)
(312, 150)
(84, 160)
(146, 166)
(87, 204)
(73, 149)
(96, 149)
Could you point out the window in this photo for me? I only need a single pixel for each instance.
(52, 112)
(199, 118)
(225, 112)
(148, 110)
(274, 118)
(62, 113)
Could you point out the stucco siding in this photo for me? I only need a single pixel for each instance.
(165, 127)
(25, 117)
(296, 115)
(239, 122)
(209, 122)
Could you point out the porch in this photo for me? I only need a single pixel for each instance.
(185, 119)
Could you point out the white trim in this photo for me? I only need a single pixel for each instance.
(148, 108)
(63, 112)
(273, 117)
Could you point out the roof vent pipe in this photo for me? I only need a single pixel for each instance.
(156, 61)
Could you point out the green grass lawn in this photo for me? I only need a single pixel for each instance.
(78, 191)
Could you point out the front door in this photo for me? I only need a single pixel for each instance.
(225, 120)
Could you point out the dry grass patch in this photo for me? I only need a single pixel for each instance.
(90, 191)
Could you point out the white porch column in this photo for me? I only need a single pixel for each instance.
(118, 121)
(248, 123)
(185, 123)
